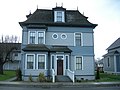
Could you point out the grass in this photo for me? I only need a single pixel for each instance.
(7, 75)
(108, 78)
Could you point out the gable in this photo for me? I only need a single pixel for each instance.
(114, 45)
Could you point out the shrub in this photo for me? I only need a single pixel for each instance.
(41, 77)
(18, 75)
(30, 78)
(97, 73)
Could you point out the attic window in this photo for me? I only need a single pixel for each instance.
(59, 16)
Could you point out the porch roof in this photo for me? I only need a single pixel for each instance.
(35, 47)
(60, 49)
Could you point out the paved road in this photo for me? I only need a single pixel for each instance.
(59, 88)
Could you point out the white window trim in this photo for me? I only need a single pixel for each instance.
(45, 60)
(29, 36)
(36, 36)
(63, 34)
(81, 38)
(82, 62)
(43, 36)
(33, 62)
(53, 36)
(55, 16)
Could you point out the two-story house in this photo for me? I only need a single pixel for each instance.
(58, 42)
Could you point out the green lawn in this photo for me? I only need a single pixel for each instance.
(7, 75)
(108, 78)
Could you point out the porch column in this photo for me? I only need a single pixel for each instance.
(49, 64)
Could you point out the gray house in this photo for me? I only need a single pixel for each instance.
(112, 58)
(57, 42)
(15, 55)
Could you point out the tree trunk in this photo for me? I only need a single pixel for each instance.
(1, 68)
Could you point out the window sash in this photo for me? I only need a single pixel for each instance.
(32, 37)
(59, 16)
(78, 63)
(78, 39)
(30, 61)
(36, 37)
(40, 40)
(41, 61)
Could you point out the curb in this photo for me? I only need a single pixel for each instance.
(58, 85)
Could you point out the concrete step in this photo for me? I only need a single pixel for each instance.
(61, 78)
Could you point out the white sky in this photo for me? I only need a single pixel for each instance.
(105, 13)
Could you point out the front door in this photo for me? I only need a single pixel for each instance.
(60, 67)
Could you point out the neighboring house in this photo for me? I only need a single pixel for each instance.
(59, 42)
(15, 56)
(112, 58)
(100, 64)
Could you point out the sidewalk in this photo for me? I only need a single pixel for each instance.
(10, 82)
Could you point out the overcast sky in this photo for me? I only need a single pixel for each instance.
(105, 13)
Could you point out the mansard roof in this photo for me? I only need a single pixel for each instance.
(114, 45)
(46, 17)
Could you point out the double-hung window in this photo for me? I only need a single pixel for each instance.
(30, 61)
(40, 37)
(41, 61)
(77, 39)
(59, 16)
(78, 63)
(36, 37)
(32, 37)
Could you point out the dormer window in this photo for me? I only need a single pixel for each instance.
(59, 16)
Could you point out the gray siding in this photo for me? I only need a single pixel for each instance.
(69, 41)
(25, 37)
(88, 66)
(70, 29)
(109, 68)
(88, 39)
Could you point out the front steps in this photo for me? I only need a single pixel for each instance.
(61, 78)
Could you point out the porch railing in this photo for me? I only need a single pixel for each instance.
(71, 75)
(53, 75)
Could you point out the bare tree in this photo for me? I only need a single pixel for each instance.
(9, 39)
(5, 53)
